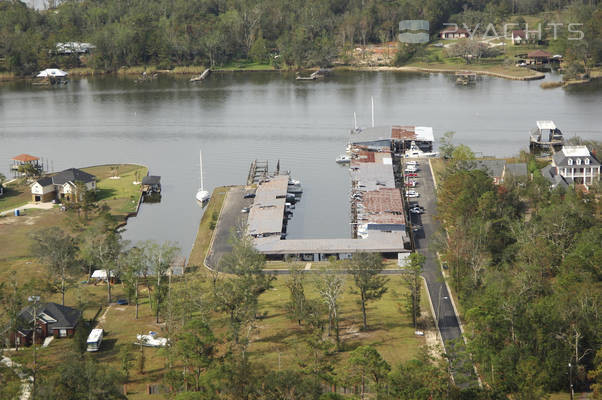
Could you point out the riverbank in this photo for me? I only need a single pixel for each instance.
(498, 71)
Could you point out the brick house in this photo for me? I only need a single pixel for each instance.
(52, 320)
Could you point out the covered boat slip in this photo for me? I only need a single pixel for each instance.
(266, 216)
(396, 137)
(388, 244)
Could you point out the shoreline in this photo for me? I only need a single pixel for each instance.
(189, 71)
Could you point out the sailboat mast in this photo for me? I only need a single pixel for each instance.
(201, 160)
(372, 98)
(354, 121)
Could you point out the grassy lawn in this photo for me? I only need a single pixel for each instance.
(246, 65)
(15, 195)
(204, 234)
(121, 195)
(389, 331)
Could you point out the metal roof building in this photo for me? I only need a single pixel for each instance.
(267, 213)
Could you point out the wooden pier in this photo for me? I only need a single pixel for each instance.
(257, 171)
(321, 73)
(465, 77)
(202, 76)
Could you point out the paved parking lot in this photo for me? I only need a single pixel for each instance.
(231, 218)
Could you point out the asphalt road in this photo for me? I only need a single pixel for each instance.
(230, 218)
(444, 311)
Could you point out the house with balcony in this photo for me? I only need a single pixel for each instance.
(576, 165)
(62, 185)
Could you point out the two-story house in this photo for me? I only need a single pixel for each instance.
(576, 165)
(62, 185)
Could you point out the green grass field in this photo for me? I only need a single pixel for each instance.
(121, 194)
(15, 195)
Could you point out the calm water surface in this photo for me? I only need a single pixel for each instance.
(236, 118)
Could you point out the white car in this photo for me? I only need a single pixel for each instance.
(412, 193)
(415, 163)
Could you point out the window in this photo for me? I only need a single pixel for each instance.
(578, 161)
(570, 161)
(587, 161)
(63, 333)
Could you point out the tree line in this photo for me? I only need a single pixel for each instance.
(169, 33)
(525, 261)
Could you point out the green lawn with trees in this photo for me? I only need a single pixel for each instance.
(273, 34)
(525, 263)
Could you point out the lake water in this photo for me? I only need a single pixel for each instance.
(238, 117)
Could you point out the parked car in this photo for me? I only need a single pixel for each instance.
(249, 195)
(122, 302)
(245, 210)
(412, 193)
(416, 210)
(411, 175)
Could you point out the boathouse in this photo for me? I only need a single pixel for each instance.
(151, 184)
(24, 159)
(538, 57)
(397, 138)
(546, 136)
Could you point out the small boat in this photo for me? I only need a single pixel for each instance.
(415, 152)
(293, 182)
(202, 195)
(343, 159)
(295, 189)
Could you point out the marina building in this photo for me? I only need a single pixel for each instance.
(396, 138)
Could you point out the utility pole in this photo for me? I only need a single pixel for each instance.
(34, 300)
(571, 381)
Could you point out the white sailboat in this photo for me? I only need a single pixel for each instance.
(202, 195)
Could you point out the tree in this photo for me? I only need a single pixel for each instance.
(237, 294)
(77, 377)
(331, 286)
(364, 363)
(412, 281)
(30, 171)
(297, 305)
(12, 300)
(446, 147)
(160, 259)
(102, 248)
(196, 347)
(420, 378)
(58, 251)
(365, 268)
(132, 265)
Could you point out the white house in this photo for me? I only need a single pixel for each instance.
(576, 165)
(61, 185)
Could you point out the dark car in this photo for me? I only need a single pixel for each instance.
(249, 195)
(122, 302)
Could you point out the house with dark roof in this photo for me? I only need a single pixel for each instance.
(549, 172)
(62, 185)
(51, 319)
(493, 168)
(576, 164)
(516, 170)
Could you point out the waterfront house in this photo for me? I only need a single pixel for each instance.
(576, 165)
(63, 185)
(517, 170)
(453, 32)
(51, 319)
(493, 168)
(519, 36)
(555, 180)
(538, 57)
